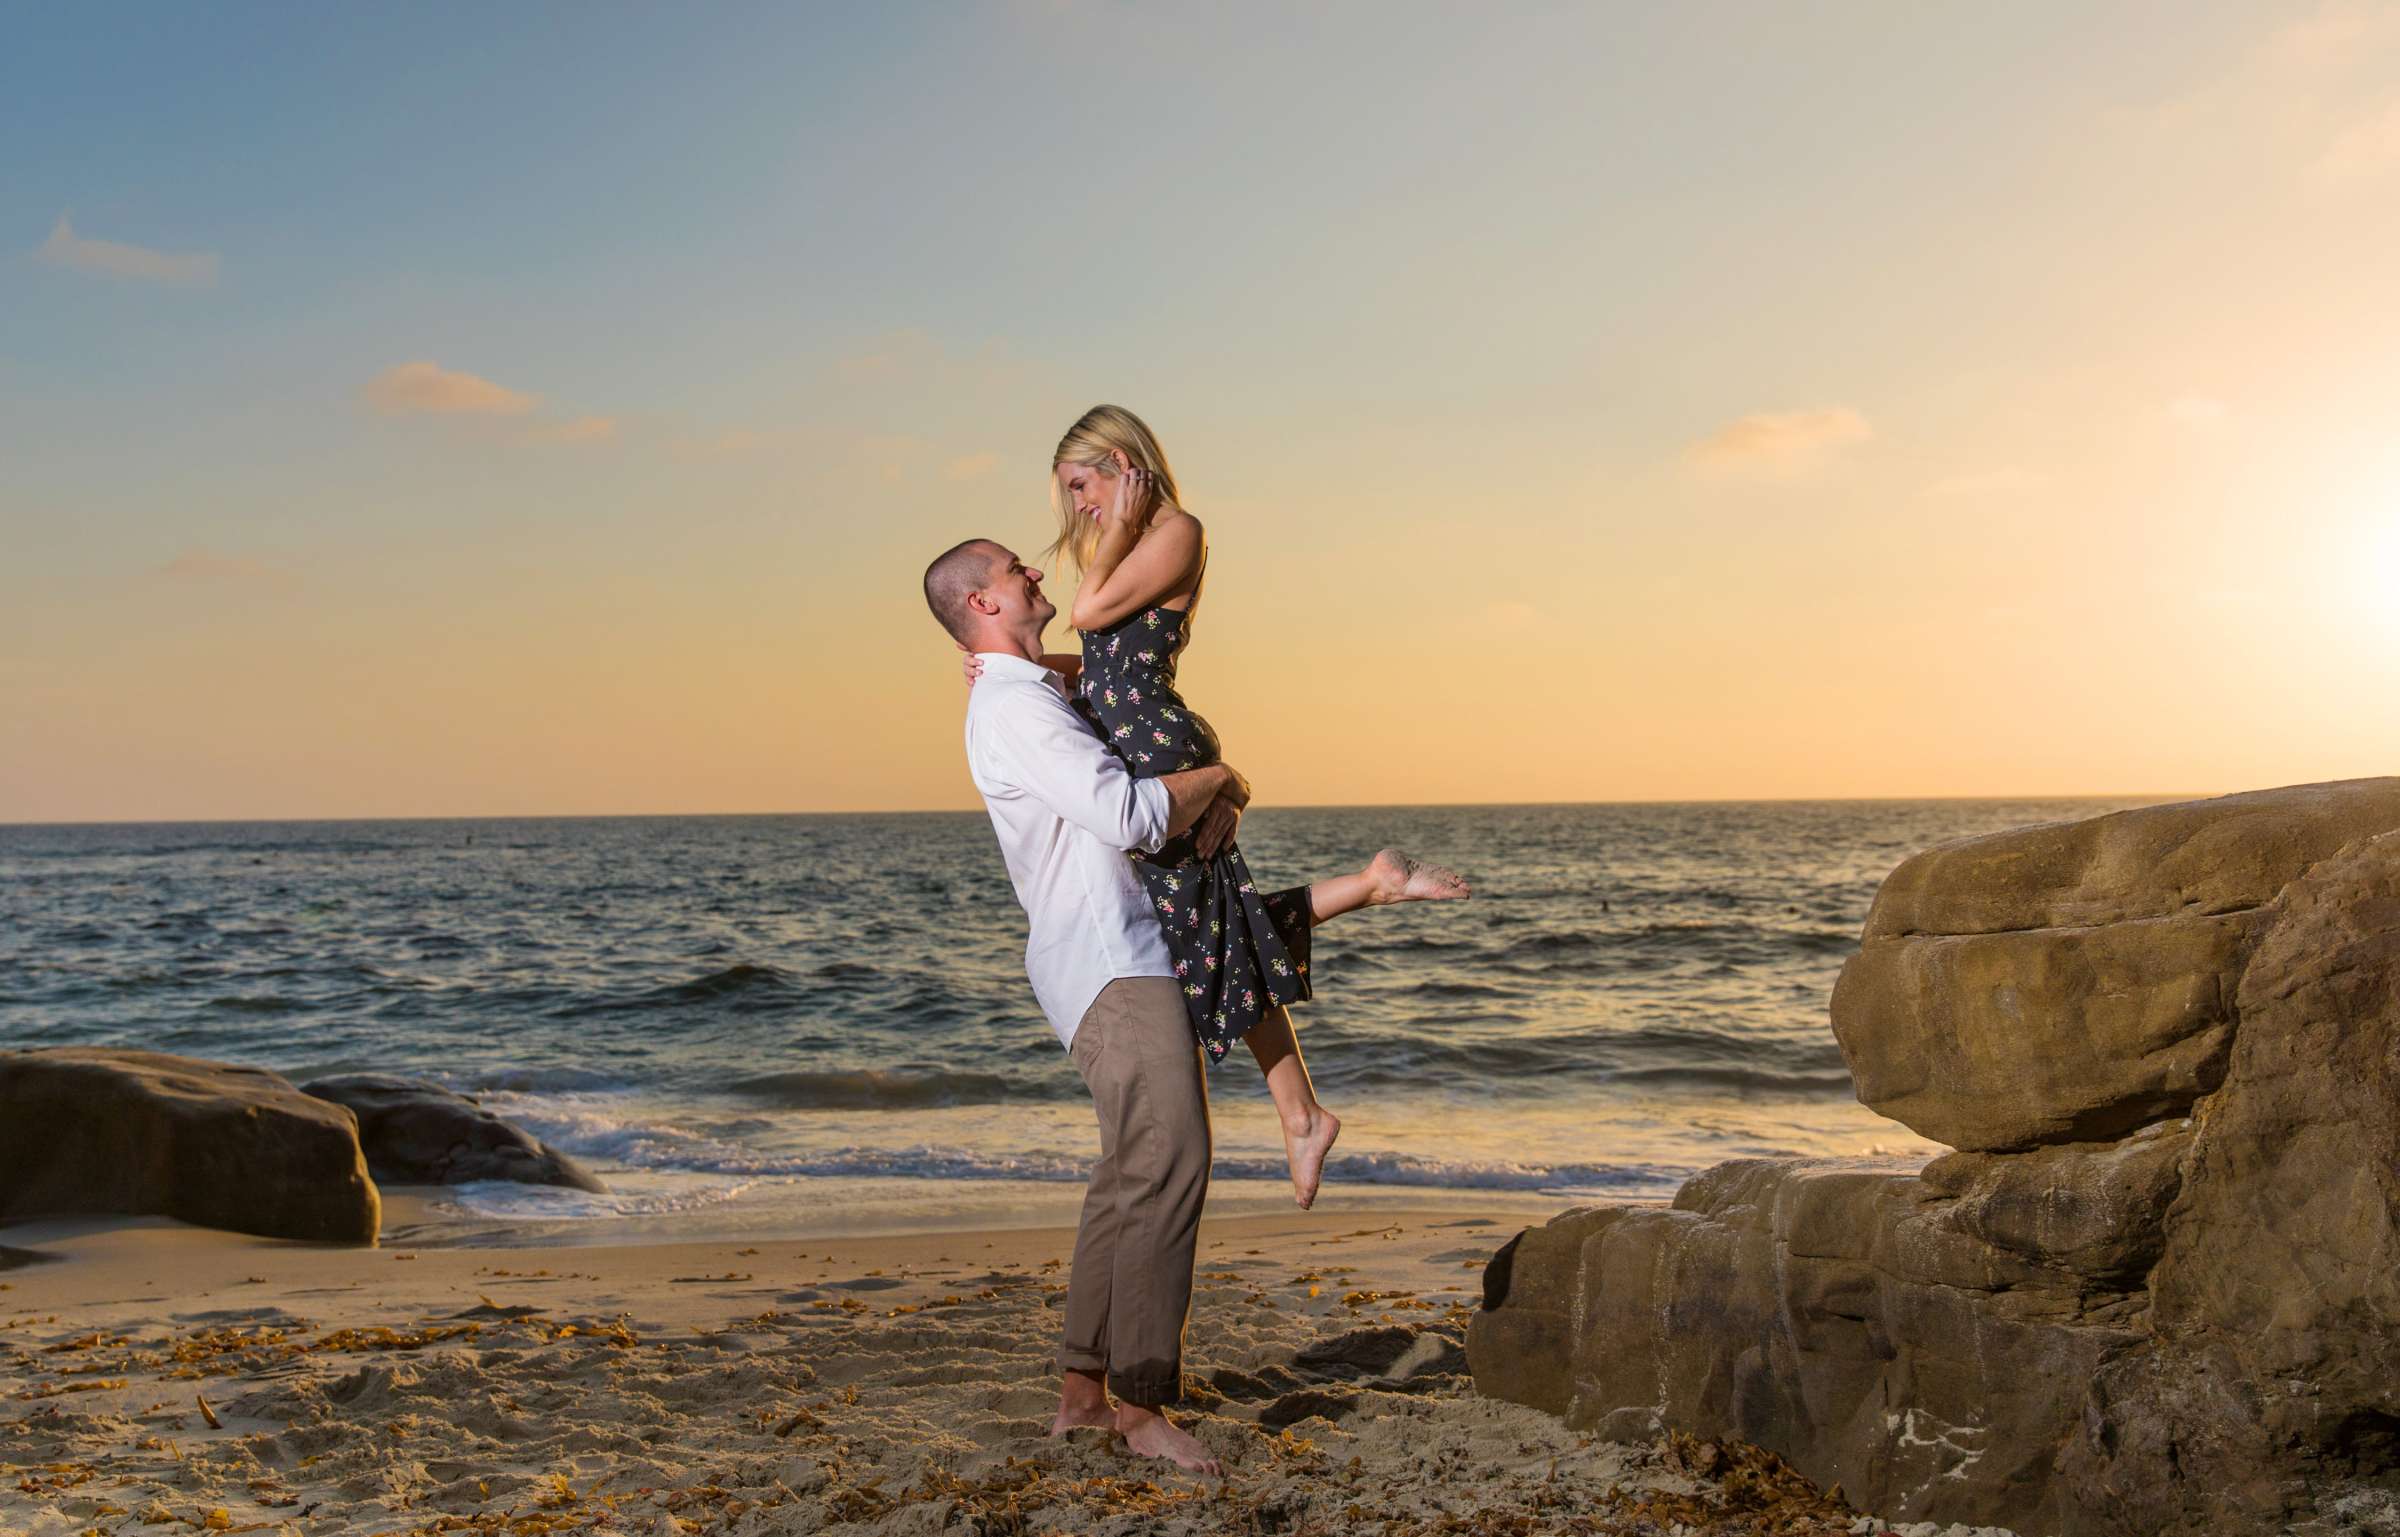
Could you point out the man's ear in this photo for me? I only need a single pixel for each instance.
(981, 604)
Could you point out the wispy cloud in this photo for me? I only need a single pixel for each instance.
(893, 353)
(2310, 97)
(2009, 480)
(413, 389)
(972, 466)
(199, 567)
(2368, 148)
(65, 248)
(581, 429)
(2325, 39)
(893, 459)
(1779, 442)
(730, 444)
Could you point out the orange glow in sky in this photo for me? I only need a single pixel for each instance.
(1591, 405)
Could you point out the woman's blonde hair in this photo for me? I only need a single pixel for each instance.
(1097, 437)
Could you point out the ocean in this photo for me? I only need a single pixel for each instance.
(820, 1023)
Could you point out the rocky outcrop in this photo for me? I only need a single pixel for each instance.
(2276, 1302)
(87, 1130)
(2157, 1289)
(419, 1133)
(2071, 982)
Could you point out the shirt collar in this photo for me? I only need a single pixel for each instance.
(1003, 664)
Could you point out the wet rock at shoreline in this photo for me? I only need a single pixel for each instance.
(419, 1133)
(86, 1131)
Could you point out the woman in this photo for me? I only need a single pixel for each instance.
(1242, 956)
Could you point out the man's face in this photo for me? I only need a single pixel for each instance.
(1015, 588)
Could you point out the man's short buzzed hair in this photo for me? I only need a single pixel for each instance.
(963, 568)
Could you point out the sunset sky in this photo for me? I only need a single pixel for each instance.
(496, 410)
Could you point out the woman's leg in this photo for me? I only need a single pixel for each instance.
(1308, 1127)
(1390, 876)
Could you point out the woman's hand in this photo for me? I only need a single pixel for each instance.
(973, 667)
(1122, 512)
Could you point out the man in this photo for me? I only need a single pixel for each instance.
(1066, 811)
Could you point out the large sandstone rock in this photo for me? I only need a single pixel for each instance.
(89, 1130)
(2158, 1291)
(2095, 1209)
(2071, 982)
(2277, 1299)
(2209, 856)
(419, 1133)
(1839, 1312)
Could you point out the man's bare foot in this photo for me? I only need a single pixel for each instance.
(1151, 1434)
(1306, 1150)
(1102, 1418)
(1398, 878)
(1082, 1401)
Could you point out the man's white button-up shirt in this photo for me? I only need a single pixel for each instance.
(1065, 811)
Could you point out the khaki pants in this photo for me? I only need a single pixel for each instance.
(1132, 1283)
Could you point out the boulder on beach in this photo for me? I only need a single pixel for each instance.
(2071, 982)
(419, 1133)
(88, 1130)
(2157, 1289)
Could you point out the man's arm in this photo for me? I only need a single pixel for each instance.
(1194, 790)
(1046, 751)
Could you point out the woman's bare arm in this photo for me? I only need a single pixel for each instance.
(1147, 550)
(1130, 572)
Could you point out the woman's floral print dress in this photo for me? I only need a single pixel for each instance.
(1236, 953)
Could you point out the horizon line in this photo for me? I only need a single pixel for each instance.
(934, 811)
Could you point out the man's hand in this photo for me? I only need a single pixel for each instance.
(1237, 789)
(1213, 833)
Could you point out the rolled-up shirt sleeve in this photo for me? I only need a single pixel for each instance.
(1051, 755)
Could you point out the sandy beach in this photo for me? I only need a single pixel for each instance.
(163, 1377)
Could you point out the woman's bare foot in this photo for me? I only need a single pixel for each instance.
(1395, 877)
(1151, 1434)
(1306, 1149)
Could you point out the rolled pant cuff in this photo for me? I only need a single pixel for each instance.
(1090, 1363)
(1147, 1390)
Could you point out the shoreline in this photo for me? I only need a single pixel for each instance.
(832, 1208)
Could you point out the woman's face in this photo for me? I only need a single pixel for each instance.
(1088, 487)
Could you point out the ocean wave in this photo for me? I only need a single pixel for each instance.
(738, 984)
(877, 1089)
(542, 1080)
(1760, 1079)
(510, 1201)
(740, 978)
(658, 1147)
